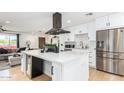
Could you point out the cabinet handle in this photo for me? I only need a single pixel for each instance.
(52, 70)
(108, 24)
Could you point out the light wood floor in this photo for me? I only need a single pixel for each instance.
(15, 74)
(95, 75)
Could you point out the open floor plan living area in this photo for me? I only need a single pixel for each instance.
(61, 46)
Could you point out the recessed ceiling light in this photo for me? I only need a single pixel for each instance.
(68, 21)
(7, 22)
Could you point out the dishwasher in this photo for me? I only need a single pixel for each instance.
(34, 66)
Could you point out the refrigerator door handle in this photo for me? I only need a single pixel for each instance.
(102, 44)
(97, 44)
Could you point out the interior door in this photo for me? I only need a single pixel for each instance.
(41, 42)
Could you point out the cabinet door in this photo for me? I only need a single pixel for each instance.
(91, 30)
(81, 29)
(92, 59)
(67, 37)
(56, 71)
(102, 23)
(70, 36)
(117, 20)
(23, 63)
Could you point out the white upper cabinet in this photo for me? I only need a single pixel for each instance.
(110, 21)
(80, 29)
(70, 36)
(102, 23)
(64, 37)
(116, 20)
(91, 30)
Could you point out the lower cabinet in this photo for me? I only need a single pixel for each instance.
(23, 63)
(56, 71)
(71, 71)
(92, 59)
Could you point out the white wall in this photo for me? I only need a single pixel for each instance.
(83, 28)
(25, 37)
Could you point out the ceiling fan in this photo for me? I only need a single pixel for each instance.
(3, 30)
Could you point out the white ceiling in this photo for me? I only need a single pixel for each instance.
(42, 21)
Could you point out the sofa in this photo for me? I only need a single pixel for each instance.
(12, 55)
(4, 53)
(14, 60)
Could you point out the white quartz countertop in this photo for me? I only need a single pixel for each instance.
(62, 57)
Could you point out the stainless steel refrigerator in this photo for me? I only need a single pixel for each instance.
(110, 50)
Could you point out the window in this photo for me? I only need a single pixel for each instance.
(8, 41)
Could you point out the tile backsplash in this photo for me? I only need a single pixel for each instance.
(82, 41)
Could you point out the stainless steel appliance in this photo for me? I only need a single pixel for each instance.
(110, 50)
(34, 66)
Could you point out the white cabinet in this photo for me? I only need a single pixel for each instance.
(91, 30)
(110, 21)
(92, 54)
(71, 71)
(102, 23)
(70, 36)
(56, 71)
(80, 29)
(117, 20)
(66, 37)
(59, 67)
(23, 63)
(92, 59)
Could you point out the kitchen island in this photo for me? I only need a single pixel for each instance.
(69, 65)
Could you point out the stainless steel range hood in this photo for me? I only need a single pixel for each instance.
(57, 24)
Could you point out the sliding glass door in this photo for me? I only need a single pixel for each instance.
(8, 41)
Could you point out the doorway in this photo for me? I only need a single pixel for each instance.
(41, 42)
